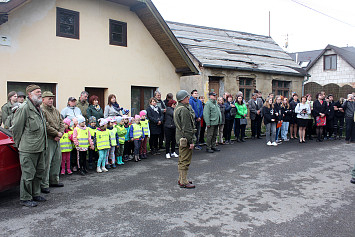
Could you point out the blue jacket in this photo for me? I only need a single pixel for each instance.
(197, 106)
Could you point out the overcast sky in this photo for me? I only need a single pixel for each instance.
(306, 29)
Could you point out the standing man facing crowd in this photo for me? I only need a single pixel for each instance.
(197, 106)
(30, 137)
(212, 116)
(55, 130)
(185, 136)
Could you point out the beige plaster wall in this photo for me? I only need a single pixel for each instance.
(36, 54)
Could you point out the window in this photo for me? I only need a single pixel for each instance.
(140, 98)
(330, 62)
(21, 86)
(118, 33)
(67, 23)
(281, 88)
(247, 86)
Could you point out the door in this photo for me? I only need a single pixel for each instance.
(214, 84)
(99, 92)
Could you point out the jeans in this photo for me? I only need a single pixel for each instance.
(256, 126)
(137, 146)
(239, 129)
(284, 130)
(228, 129)
(277, 133)
(349, 128)
(170, 140)
(270, 132)
(338, 126)
(198, 130)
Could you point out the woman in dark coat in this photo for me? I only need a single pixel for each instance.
(230, 113)
(94, 109)
(170, 130)
(156, 118)
(319, 111)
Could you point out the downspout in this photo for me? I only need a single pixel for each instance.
(304, 81)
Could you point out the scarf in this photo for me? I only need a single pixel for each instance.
(155, 108)
(116, 106)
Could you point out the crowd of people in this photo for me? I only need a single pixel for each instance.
(84, 136)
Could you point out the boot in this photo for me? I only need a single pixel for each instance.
(118, 160)
(184, 183)
(121, 161)
(136, 158)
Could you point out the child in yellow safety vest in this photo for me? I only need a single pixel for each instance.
(145, 126)
(136, 134)
(102, 143)
(110, 160)
(93, 154)
(66, 146)
(121, 133)
(82, 141)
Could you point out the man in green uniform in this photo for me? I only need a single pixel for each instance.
(55, 130)
(30, 137)
(212, 116)
(184, 120)
(83, 103)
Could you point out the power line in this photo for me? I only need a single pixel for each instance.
(322, 13)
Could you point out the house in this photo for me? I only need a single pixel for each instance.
(232, 61)
(331, 69)
(121, 47)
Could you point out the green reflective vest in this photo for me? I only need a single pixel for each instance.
(137, 131)
(65, 143)
(145, 126)
(92, 131)
(102, 139)
(113, 133)
(83, 137)
(121, 131)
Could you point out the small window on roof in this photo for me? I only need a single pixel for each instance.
(304, 63)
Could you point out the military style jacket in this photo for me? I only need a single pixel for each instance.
(6, 112)
(54, 122)
(29, 128)
(184, 119)
(212, 113)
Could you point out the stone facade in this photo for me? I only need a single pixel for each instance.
(343, 75)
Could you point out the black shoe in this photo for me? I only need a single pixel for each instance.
(81, 172)
(243, 140)
(216, 149)
(28, 203)
(45, 190)
(310, 138)
(352, 180)
(259, 137)
(58, 185)
(210, 151)
(39, 199)
(238, 140)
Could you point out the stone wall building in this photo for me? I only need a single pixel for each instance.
(231, 61)
(121, 47)
(331, 69)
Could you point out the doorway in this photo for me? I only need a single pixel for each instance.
(214, 84)
(99, 92)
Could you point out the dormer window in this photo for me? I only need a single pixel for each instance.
(330, 62)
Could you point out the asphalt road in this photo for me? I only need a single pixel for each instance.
(246, 189)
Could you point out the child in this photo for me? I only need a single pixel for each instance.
(102, 141)
(113, 141)
(82, 140)
(121, 132)
(66, 146)
(73, 153)
(145, 126)
(136, 134)
(93, 156)
(128, 145)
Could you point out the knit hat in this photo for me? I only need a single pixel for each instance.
(31, 88)
(119, 119)
(67, 121)
(80, 119)
(92, 119)
(103, 122)
(137, 117)
(143, 112)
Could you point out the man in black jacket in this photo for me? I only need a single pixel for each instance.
(349, 108)
(255, 104)
(330, 118)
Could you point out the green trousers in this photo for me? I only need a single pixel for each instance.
(211, 136)
(353, 172)
(32, 168)
(185, 155)
(53, 161)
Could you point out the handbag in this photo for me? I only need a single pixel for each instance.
(243, 121)
(321, 121)
(279, 124)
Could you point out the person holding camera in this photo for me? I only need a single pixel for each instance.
(303, 110)
(184, 119)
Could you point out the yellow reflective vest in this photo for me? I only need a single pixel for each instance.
(83, 137)
(65, 143)
(113, 133)
(145, 126)
(137, 131)
(102, 139)
(121, 131)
